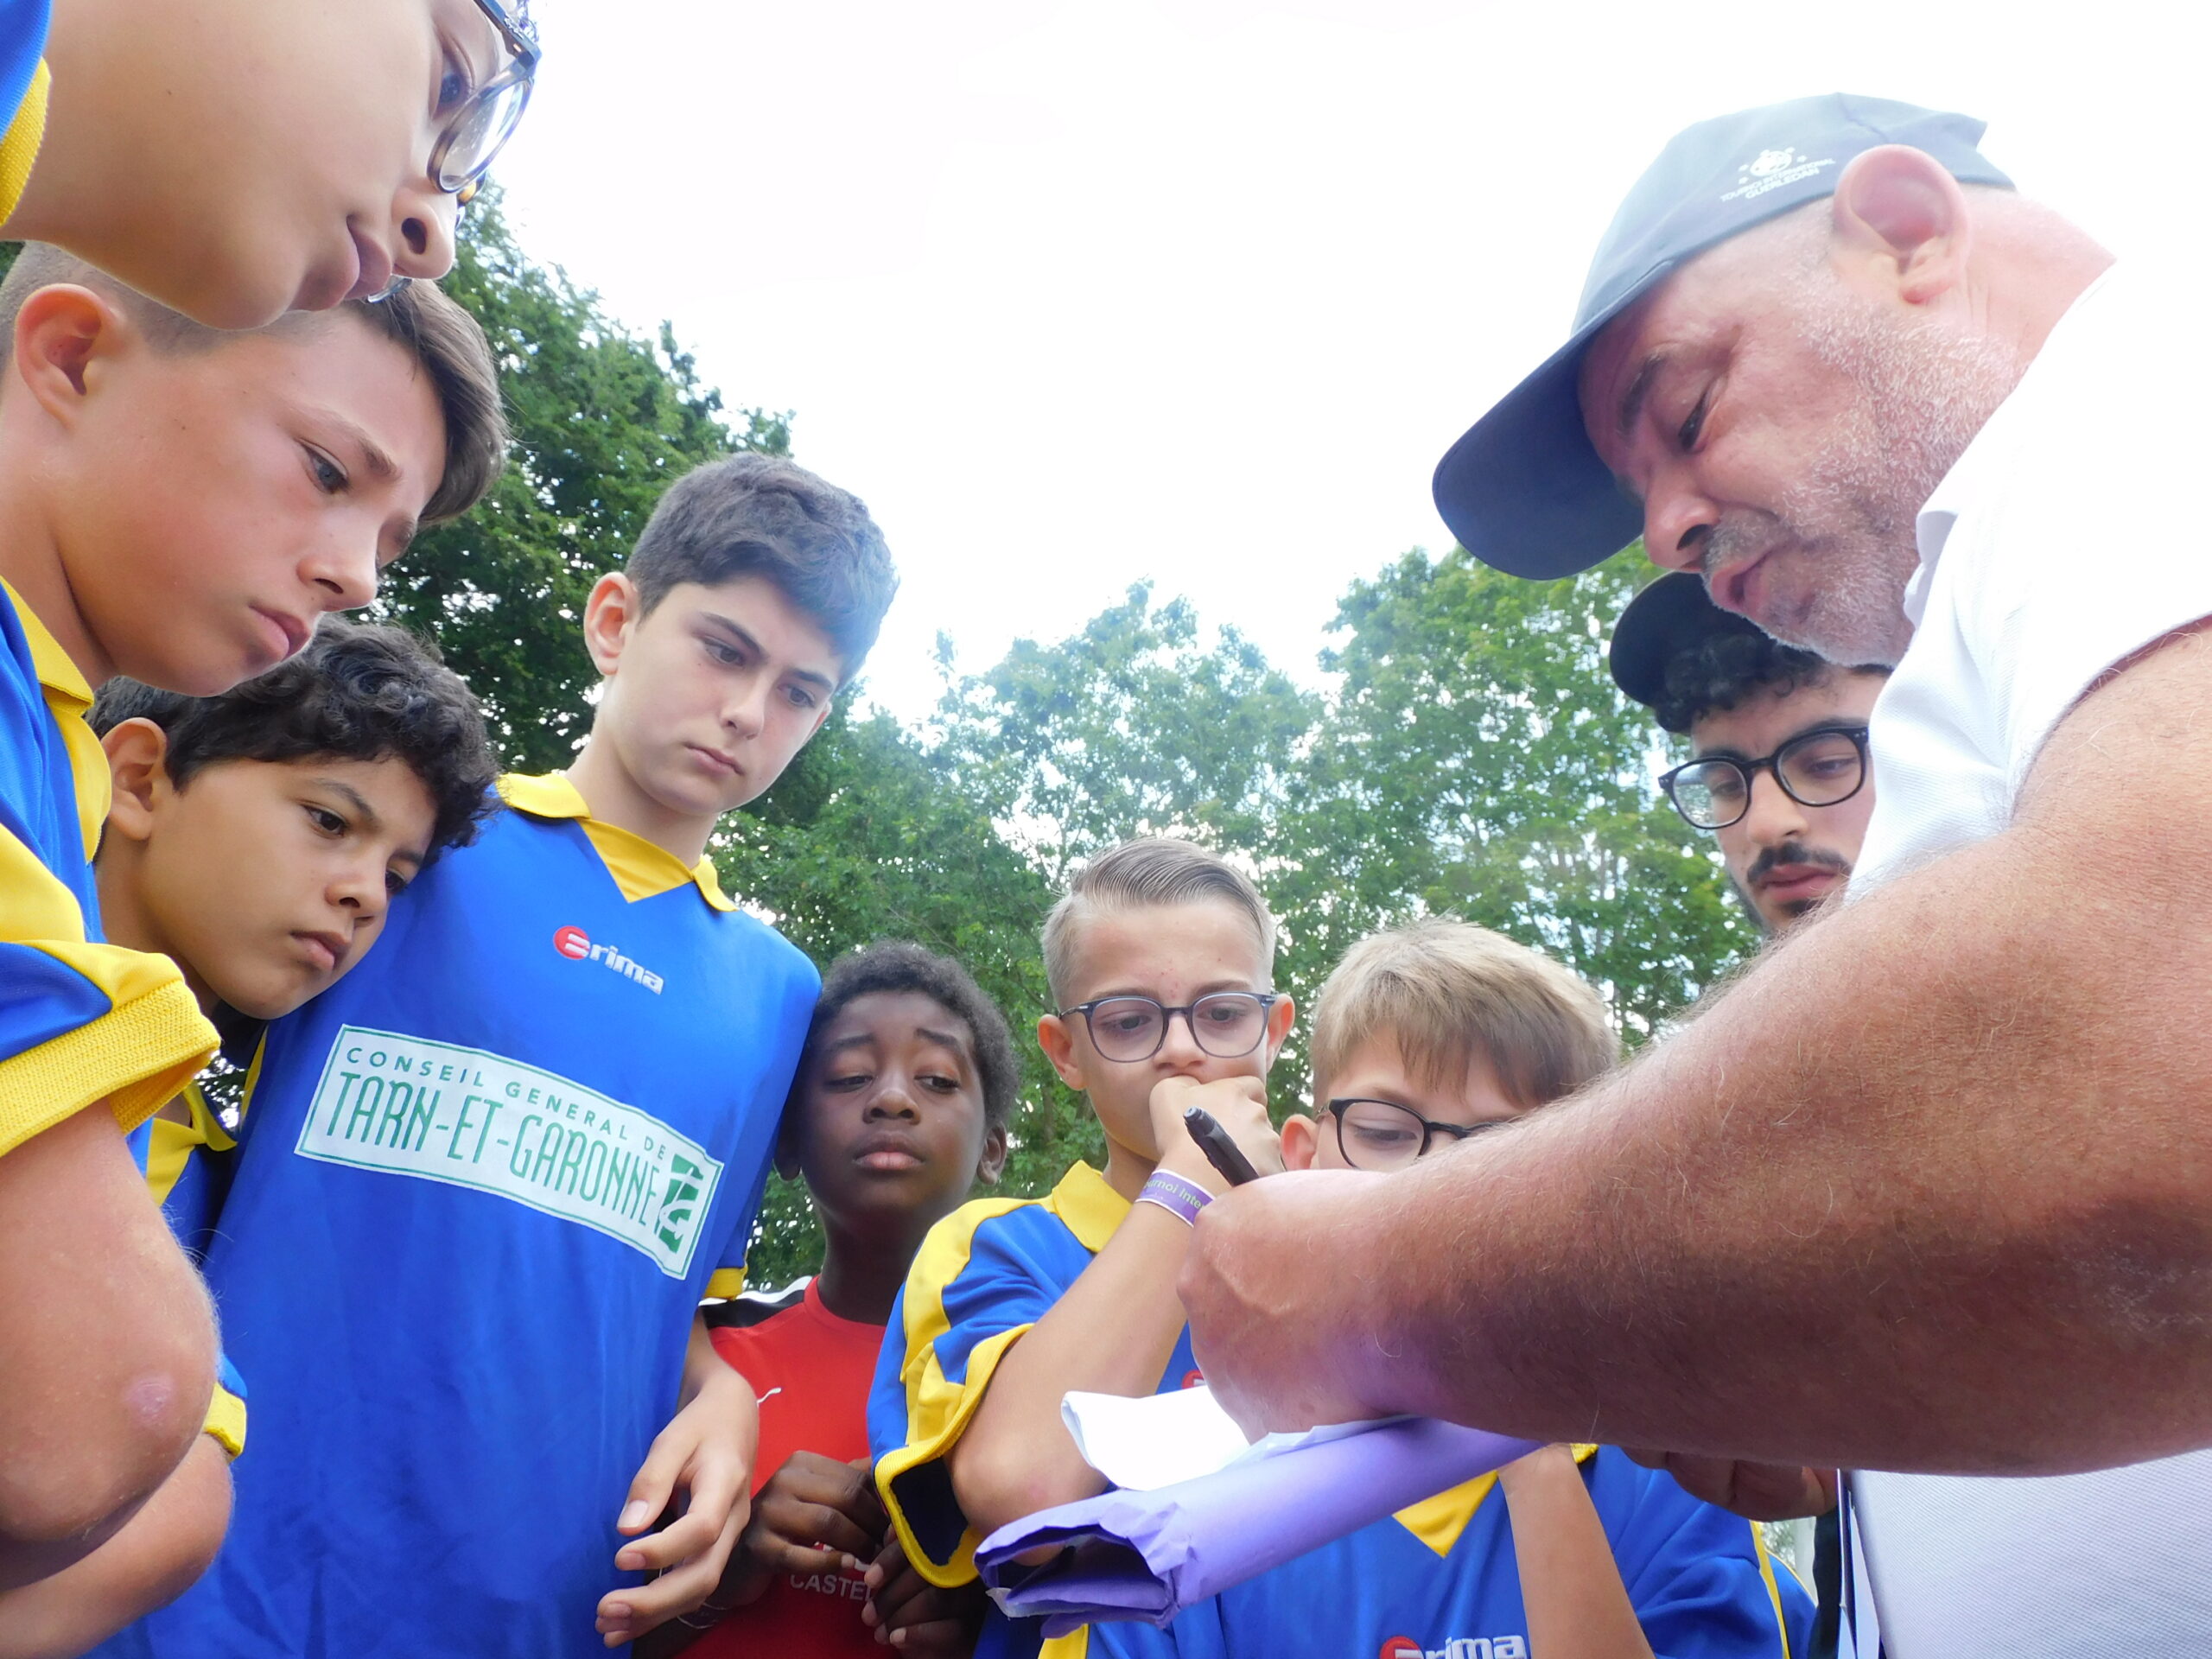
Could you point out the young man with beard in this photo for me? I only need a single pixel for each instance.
(1927, 1189)
(1779, 773)
(1779, 769)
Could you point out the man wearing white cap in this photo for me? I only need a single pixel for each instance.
(1930, 1188)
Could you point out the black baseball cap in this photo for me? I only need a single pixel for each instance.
(1670, 616)
(1523, 489)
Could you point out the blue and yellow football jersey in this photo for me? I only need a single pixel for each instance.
(985, 1275)
(23, 93)
(483, 1182)
(1441, 1581)
(81, 1021)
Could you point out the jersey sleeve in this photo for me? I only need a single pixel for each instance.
(1702, 1584)
(81, 1022)
(983, 1277)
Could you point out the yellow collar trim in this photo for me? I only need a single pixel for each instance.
(68, 699)
(1091, 1209)
(641, 868)
(1437, 1522)
(56, 672)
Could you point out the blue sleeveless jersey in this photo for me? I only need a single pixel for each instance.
(482, 1183)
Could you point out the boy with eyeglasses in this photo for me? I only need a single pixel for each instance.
(1159, 960)
(238, 160)
(1778, 768)
(1424, 1036)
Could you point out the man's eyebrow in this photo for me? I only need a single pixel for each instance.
(858, 1040)
(1639, 389)
(745, 637)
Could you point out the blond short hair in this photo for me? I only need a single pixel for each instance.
(1152, 870)
(1447, 992)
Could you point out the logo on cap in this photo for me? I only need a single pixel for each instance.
(1770, 169)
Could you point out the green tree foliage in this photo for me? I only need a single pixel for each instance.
(603, 420)
(1478, 760)
(1132, 726)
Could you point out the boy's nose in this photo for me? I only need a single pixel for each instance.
(892, 1100)
(424, 220)
(342, 575)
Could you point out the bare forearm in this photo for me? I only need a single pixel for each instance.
(107, 1350)
(1570, 1586)
(1112, 1334)
(148, 1563)
(1930, 1188)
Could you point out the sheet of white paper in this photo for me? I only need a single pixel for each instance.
(1143, 1445)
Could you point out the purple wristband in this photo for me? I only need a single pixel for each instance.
(1178, 1198)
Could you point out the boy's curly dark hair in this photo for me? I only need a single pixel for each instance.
(1721, 670)
(360, 691)
(900, 966)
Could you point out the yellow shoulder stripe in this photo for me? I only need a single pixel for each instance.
(1437, 1522)
(19, 149)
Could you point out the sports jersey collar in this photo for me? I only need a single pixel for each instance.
(1091, 1209)
(54, 670)
(641, 869)
(68, 698)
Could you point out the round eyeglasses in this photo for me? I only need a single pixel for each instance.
(1822, 767)
(1382, 1136)
(488, 115)
(1227, 1025)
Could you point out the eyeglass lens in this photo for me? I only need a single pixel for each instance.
(1374, 1134)
(1818, 769)
(479, 132)
(1225, 1025)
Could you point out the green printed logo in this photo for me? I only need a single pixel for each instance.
(464, 1117)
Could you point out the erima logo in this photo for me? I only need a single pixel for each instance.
(1459, 1647)
(1770, 169)
(576, 944)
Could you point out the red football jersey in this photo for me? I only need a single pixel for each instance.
(811, 1371)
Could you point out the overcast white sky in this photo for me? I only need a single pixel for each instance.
(1076, 294)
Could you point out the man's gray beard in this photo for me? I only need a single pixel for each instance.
(1922, 392)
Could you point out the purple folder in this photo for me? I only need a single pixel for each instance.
(1149, 1555)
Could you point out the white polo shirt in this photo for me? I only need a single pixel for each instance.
(2068, 536)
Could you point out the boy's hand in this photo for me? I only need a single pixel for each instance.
(702, 1462)
(912, 1615)
(1238, 1104)
(814, 1516)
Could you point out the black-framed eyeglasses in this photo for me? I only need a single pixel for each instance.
(1227, 1025)
(1824, 766)
(1382, 1136)
(478, 129)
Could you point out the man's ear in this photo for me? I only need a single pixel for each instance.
(1282, 1014)
(1302, 1137)
(992, 1164)
(137, 760)
(611, 614)
(1058, 1044)
(61, 334)
(1899, 211)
